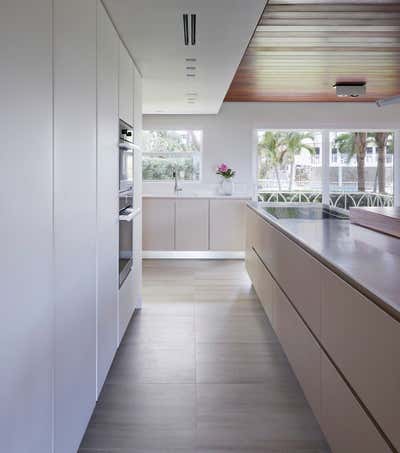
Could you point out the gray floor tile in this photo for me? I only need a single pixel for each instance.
(153, 363)
(234, 329)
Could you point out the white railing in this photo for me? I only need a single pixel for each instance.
(344, 200)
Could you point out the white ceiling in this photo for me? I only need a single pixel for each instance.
(153, 32)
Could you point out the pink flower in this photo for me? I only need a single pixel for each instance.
(222, 168)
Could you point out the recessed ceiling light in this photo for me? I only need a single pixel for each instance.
(191, 60)
(191, 68)
(190, 75)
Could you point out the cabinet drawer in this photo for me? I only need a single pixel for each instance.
(346, 426)
(262, 282)
(297, 272)
(302, 351)
(364, 342)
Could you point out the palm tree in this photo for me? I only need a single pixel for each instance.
(354, 144)
(270, 147)
(295, 143)
(383, 142)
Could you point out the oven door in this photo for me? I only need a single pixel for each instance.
(125, 244)
(125, 168)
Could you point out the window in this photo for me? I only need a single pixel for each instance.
(289, 166)
(342, 168)
(167, 150)
(363, 175)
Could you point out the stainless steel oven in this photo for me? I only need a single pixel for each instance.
(125, 235)
(126, 208)
(126, 160)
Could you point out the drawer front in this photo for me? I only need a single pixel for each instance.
(297, 272)
(301, 349)
(262, 282)
(346, 426)
(364, 343)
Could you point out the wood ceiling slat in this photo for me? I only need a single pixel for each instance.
(301, 48)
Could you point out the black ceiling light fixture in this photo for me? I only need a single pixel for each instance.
(186, 29)
(192, 29)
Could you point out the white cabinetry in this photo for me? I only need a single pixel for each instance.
(126, 81)
(26, 301)
(350, 377)
(194, 225)
(74, 219)
(191, 225)
(227, 224)
(107, 193)
(158, 224)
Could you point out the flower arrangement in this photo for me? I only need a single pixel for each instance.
(224, 171)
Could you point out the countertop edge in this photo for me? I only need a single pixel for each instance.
(382, 304)
(199, 197)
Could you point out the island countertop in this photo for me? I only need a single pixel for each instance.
(367, 260)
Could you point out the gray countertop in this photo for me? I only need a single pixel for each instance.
(368, 260)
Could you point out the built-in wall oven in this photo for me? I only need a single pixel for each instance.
(126, 207)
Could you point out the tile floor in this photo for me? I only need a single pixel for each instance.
(200, 371)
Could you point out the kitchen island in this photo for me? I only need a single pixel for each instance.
(331, 292)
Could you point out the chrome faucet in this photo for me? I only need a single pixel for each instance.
(178, 187)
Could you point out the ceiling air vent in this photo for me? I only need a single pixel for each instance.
(350, 89)
(192, 33)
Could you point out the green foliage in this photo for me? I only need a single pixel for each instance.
(161, 168)
(166, 151)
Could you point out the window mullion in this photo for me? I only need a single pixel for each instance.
(325, 166)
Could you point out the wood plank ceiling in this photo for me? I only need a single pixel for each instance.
(300, 48)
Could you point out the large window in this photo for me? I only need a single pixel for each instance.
(289, 165)
(166, 151)
(343, 168)
(360, 168)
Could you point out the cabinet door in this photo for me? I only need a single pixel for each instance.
(346, 426)
(301, 349)
(191, 228)
(75, 219)
(26, 240)
(107, 193)
(228, 225)
(364, 342)
(158, 224)
(126, 80)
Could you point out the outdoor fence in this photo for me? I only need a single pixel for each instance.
(344, 200)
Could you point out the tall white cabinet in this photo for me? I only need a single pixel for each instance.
(75, 222)
(107, 193)
(60, 305)
(26, 304)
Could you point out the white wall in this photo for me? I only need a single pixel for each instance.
(229, 136)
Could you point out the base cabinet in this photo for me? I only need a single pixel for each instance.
(341, 346)
(194, 225)
(345, 424)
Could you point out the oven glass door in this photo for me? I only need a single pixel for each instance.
(125, 169)
(125, 249)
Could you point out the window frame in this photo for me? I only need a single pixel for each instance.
(325, 156)
(191, 153)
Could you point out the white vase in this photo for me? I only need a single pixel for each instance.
(227, 186)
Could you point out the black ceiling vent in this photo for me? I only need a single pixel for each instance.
(192, 29)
